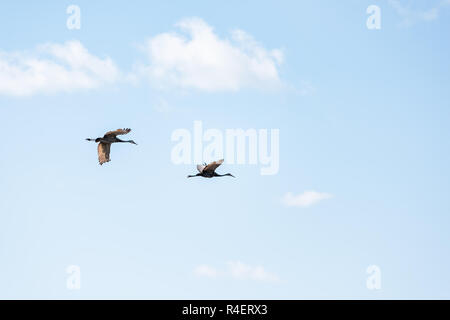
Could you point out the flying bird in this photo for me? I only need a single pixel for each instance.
(104, 146)
(209, 170)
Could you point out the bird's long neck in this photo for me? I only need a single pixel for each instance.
(195, 175)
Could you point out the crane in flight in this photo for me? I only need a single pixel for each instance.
(104, 143)
(209, 170)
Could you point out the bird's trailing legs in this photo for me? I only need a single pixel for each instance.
(129, 141)
(223, 175)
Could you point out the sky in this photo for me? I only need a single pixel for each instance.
(358, 206)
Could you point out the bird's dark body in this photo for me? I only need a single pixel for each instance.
(104, 143)
(109, 139)
(209, 171)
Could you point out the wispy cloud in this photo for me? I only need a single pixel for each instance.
(197, 58)
(237, 270)
(240, 270)
(53, 68)
(162, 106)
(305, 88)
(411, 16)
(206, 271)
(305, 199)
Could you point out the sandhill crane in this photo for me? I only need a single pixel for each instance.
(104, 146)
(209, 171)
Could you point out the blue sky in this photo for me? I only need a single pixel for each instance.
(363, 117)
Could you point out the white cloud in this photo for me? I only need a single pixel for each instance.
(205, 271)
(305, 199)
(200, 59)
(237, 270)
(54, 68)
(410, 16)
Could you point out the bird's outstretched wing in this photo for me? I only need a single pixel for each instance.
(212, 166)
(200, 168)
(103, 152)
(118, 132)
